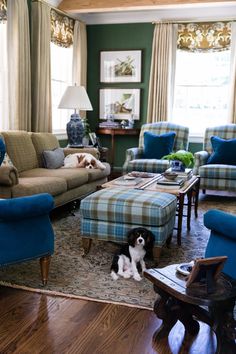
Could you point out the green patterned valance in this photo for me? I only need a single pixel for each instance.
(3, 10)
(212, 36)
(62, 28)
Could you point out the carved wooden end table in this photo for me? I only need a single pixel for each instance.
(176, 302)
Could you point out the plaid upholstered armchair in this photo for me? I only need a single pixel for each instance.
(135, 159)
(216, 163)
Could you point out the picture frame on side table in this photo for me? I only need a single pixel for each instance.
(118, 66)
(119, 104)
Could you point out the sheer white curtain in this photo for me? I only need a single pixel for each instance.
(232, 104)
(162, 74)
(4, 117)
(41, 70)
(19, 74)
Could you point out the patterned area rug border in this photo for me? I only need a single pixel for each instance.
(70, 296)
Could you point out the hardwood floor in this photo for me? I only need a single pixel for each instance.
(32, 323)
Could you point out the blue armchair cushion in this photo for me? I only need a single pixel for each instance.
(157, 146)
(224, 151)
(2, 151)
(222, 241)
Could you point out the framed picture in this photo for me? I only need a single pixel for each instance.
(213, 265)
(120, 66)
(119, 104)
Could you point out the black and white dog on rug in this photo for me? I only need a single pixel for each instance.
(126, 260)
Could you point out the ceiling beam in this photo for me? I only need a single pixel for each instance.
(88, 6)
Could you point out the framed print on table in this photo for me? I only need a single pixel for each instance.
(120, 66)
(119, 103)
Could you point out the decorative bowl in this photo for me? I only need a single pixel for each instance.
(171, 176)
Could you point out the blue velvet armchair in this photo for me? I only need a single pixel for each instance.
(26, 231)
(222, 241)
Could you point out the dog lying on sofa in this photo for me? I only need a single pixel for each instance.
(84, 160)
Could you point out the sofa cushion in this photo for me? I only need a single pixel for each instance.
(74, 177)
(157, 146)
(21, 150)
(43, 141)
(224, 151)
(35, 185)
(53, 159)
(218, 172)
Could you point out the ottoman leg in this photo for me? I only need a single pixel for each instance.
(86, 242)
(157, 254)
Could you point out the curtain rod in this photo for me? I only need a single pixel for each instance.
(58, 10)
(192, 21)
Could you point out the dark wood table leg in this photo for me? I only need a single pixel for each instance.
(189, 208)
(224, 326)
(163, 309)
(196, 192)
(180, 218)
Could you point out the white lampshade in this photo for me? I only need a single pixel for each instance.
(75, 97)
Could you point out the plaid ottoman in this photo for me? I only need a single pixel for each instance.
(110, 213)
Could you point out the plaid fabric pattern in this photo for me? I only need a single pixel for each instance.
(227, 131)
(181, 138)
(219, 184)
(155, 166)
(148, 165)
(131, 206)
(200, 158)
(117, 232)
(218, 172)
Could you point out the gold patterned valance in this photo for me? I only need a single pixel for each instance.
(3, 10)
(62, 28)
(212, 36)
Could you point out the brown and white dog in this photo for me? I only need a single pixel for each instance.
(84, 160)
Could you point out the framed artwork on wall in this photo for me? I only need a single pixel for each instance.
(118, 103)
(120, 66)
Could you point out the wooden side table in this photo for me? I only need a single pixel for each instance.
(176, 302)
(113, 132)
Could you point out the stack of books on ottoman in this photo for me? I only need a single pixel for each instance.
(166, 183)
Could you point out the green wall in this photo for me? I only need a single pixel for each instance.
(118, 37)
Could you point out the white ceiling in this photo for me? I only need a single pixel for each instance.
(191, 12)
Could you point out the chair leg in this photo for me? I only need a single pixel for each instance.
(204, 191)
(44, 266)
(86, 242)
(157, 254)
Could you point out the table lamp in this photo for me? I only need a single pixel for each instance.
(75, 97)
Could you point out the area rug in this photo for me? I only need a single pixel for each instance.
(88, 278)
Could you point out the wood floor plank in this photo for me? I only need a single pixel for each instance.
(33, 323)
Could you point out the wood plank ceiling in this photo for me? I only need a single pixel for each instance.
(92, 6)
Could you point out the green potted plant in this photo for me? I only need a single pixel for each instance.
(186, 157)
(87, 130)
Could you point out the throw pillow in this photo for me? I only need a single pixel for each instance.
(157, 146)
(2, 151)
(224, 151)
(53, 158)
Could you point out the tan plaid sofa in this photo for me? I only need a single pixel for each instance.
(27, 176)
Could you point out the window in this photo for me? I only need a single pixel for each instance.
(61, 77)
(201, 90)
(3, 78)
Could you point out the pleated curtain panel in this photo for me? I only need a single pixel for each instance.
(19, 72)
(162, 73)
(41, 68)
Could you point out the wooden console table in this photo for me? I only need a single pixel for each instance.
(176, 302)
(113, 132)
